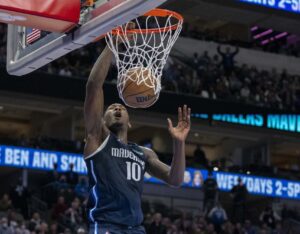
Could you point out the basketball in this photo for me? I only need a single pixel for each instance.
(139, 88)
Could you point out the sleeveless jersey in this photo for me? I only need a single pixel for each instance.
(116, 175)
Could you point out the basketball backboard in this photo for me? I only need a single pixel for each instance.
(96, 20)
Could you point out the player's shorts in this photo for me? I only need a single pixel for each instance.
(107, 228)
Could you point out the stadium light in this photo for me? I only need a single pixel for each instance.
(216, 169)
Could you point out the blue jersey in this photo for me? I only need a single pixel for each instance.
(116, 175)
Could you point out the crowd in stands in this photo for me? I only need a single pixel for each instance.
(278, 46)
(214, 77)
(219, 78)
(215, 222)
(65, 196)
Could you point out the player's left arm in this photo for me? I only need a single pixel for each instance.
(172, 175)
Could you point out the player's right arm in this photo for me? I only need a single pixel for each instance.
(174, 174)
(94, 102)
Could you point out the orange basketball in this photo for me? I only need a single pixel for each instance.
(139, 88)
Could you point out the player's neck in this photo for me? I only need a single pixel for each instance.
(120, 132)
(122, 136)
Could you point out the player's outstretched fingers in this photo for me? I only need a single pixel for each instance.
(170, 124)
(179, 114)
(189, 116)
(184, 118)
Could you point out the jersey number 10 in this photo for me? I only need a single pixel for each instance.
(133, 171)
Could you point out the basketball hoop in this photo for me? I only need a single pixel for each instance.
(146, 47)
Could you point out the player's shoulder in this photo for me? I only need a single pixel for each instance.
(149, 153)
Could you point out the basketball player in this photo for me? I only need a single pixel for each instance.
(116, 167)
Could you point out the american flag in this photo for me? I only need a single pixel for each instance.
(32, 34)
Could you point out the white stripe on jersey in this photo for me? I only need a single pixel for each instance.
(99, 149)
(94, 193)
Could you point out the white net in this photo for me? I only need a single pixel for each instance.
(144, 49)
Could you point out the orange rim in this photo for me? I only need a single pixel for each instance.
(155, 12)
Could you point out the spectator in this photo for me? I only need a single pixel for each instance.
(5, 228)
(67, 231)
(12, 215)
(19, 195)
(195, 60)
(147, 221)
(285, 212)
(156, 226)
(53, 228)
(172, 229)
(205, 60)
(167, 223)
(81, 189)
(74, 214)
(239, 194)
(245, 93)
(238, 229)
(81, 231)
(210, 229)
(248, 227)
(201, 222)
(184, 223)
(227, 228)
(62, 183)
(68, 194)
(217, 216)
(22, 229)
(43, 228)
(264, 229)
(228, 59)
(278, 229)
(59, 208)
(5, 203)
(200, 159)
(210, 189)
(72, 177)
(35, 222)
(53, 175)
(269, 217)
(50, 184)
